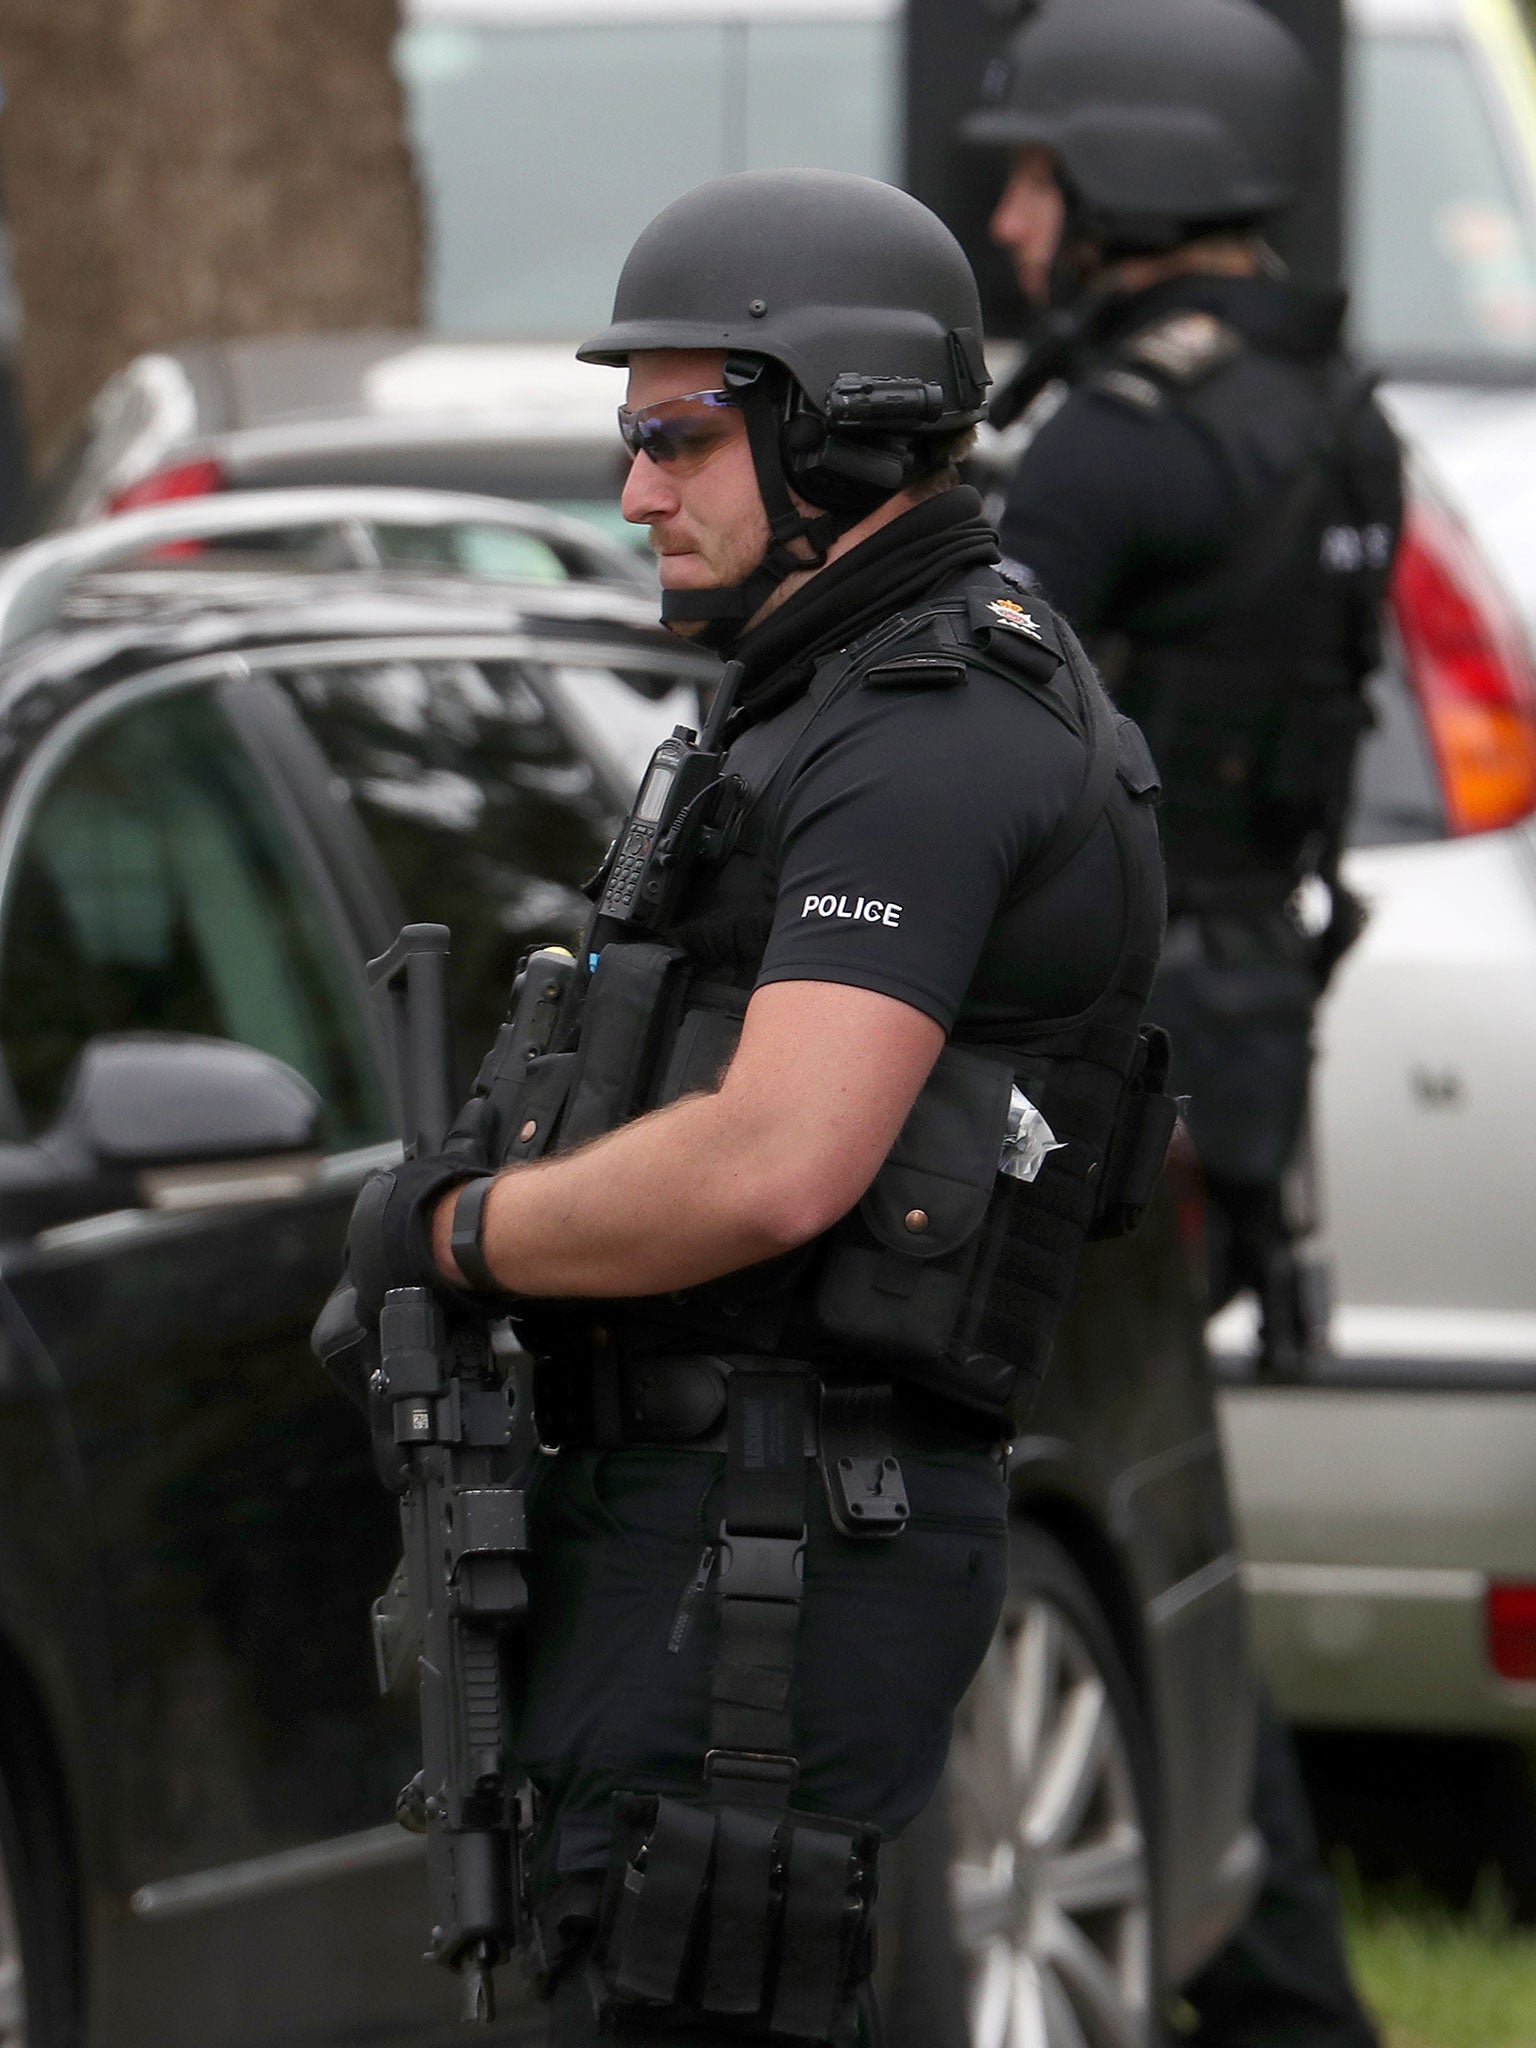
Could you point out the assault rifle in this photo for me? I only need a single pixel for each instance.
(443, 1407)
(448, 1436)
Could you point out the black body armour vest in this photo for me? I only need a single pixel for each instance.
(1248, 681)
(947, 1275)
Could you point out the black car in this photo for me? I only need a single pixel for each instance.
(223, 782)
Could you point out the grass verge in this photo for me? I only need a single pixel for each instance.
(1437, 1978)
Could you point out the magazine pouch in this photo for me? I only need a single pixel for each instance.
(626, 1006)
(748, 1919)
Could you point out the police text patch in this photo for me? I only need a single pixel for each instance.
(853, 909)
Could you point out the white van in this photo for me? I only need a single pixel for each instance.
(548, 132)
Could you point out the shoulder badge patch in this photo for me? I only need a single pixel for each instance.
(1185, 347)
(1020, 630)
(1007, 611)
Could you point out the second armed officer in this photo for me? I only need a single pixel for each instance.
(1213, 498)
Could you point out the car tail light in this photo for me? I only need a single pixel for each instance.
(1468, 663)
(1512, 1631)
(181, 480)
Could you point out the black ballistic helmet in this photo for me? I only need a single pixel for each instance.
(1167, 116)
(830, 275)
(851, 325)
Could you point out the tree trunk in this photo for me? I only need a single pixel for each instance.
(179, 170)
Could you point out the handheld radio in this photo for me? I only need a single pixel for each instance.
(679, 809)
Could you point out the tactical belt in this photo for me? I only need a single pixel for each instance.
(623, 1399)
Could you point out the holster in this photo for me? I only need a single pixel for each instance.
(1139, 1138)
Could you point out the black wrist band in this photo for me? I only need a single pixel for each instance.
(464, 1235)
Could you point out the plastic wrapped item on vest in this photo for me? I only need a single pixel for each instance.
(1027, 1138)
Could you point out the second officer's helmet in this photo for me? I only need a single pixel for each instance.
(1166, 116)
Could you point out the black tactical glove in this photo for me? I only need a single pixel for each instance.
(389, 1240)
(343, 1343)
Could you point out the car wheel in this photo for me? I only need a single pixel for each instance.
(1029, 1917)
(36, 1997)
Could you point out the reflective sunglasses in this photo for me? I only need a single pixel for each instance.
(680, 437)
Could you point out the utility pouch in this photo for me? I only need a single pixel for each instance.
(756, 1920)
(1139, 1141)
(621, 1021)
(895, 1271)
(536, 1110)
(704, 1042)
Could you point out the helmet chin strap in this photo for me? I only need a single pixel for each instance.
(725, 612)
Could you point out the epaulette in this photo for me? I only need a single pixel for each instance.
(1012, 628)
(1140, 392)
(909, 653)
(1185, 348)
(924, 668)
(1173, 354)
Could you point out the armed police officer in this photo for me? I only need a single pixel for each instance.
(1214, 505)
(1213, 498)
(849, 1066)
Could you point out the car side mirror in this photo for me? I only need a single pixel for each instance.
(149, 1099)
(163, 1120)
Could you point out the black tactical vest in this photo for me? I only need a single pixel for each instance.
(947, 1274)
(1248, 679)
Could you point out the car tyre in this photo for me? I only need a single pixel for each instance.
(1025, 1909)
(36, 2000)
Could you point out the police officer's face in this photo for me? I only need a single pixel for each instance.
(698, 492)
(1028, 220)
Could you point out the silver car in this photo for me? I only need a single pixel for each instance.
(1389, 1510)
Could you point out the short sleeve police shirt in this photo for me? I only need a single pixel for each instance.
(905, 819)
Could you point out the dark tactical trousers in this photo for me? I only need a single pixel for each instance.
(1238, 1002)
(1236, 995)
(620, 1655)
(1283, 1980)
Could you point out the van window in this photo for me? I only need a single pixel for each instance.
(544, 149)
(1442, 240)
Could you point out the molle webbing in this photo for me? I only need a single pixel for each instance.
(762, 1557)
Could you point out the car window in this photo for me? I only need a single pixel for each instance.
(1441, 230)
(544, 149)
(487, 813)
(492, 553)
(157, 889)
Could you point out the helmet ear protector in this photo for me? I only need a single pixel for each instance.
(865, 442)
(837, 471)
